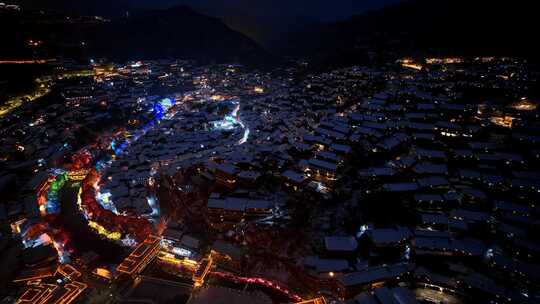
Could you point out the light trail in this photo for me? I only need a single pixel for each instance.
(236, 115)
(27, 61)
(18, 101)
(244, 138)
(230, 121)
(261, 282)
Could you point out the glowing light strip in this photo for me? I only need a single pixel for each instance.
(115, 236)
(232, 120)
(260, 281)
(52, 205)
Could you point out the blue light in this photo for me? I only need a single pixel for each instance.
(159, 112)
(152, 202)
(159, 109)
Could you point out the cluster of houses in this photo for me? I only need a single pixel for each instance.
(410, 187)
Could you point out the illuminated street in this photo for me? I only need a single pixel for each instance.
(43, 88)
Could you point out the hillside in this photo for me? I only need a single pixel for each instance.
(478, 27)
(177, 32)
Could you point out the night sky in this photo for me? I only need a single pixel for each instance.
(322, 10)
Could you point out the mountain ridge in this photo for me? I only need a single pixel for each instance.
(177, 32)
(456, 27)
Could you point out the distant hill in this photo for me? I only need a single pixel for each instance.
(178, 32)
(469, 27)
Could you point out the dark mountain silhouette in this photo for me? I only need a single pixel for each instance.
(268, 22)
(456, 27)
(178, 32)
